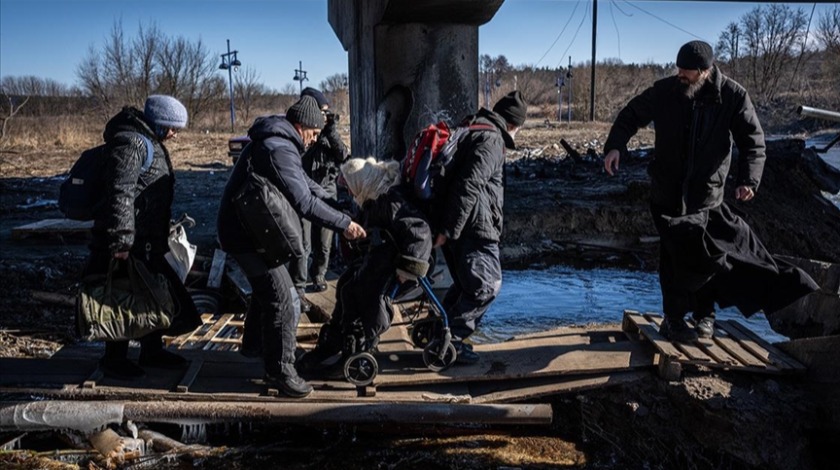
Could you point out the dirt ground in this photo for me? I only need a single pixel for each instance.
(557, 208)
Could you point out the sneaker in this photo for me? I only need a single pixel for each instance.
(466, 355)
(162, 359)
(316, 359)
(121, 369)
(705, 327)
(319, 285)
(290, 384)
(677, 330)
(305, 306)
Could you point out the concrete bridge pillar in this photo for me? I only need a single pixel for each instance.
(411, 63)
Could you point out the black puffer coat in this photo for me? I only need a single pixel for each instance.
(275, 154)
(694, 141)
(475, 192)
(323, 158)
(137, 208)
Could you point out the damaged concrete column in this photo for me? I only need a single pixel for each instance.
(411, 63)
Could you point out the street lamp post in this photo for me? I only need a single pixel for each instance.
(300, 75)
(229, 65)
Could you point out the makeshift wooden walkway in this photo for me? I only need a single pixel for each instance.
(522, 369)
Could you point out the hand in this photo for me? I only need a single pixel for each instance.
(121, 255)
(744, 193)
(611, 161)
(354, 231)
(439, 240)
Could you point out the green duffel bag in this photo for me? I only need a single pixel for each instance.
(112, 308)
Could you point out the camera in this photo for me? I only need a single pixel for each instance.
(332, 117)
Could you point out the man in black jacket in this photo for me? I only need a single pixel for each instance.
(133, 220)
(468, 223)
(708, 254)
(320, 162)
(274, 154)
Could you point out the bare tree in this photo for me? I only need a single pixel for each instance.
(772, 34)
(187, 71)
(336, 87)
(247, 90)
(15, 103)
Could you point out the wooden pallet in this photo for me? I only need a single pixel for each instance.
(733, 347)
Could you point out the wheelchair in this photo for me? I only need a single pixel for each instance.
(431, 334)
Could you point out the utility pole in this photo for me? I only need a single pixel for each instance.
(560, 83)
(300, 75)
(569, 76)
(592, 77)
(231, 64)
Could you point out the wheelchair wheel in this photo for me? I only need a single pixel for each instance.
(423, 332)
(432, 359)
(360, 369)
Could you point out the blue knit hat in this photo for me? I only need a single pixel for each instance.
(165, 111)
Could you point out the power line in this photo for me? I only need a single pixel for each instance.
(617, 33)
(558, 36)
(586, 15)
(662, 20)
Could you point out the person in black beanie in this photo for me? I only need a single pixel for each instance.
(468, 220)
(708, 254)
(274, 153)
(321, 162)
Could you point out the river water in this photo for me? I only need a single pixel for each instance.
(540, 299)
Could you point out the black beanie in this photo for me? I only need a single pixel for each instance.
(319, 97)
(695, 55)
(306, 113)
(513, 108)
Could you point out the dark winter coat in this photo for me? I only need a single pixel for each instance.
(472, 205)
(274, 153)
(137, 208)
(322, 159)
(694, 137)
(399, 237)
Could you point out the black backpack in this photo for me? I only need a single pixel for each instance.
(80, 193)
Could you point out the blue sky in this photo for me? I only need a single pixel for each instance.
(50, 38)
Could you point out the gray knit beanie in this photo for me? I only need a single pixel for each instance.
(165, 111)
(306, 113)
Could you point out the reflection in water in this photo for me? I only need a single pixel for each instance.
(537, 300)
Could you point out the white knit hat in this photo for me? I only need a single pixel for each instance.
(368, 178)
(165, 111)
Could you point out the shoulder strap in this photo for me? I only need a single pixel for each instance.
(150, 153)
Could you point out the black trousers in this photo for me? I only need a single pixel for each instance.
(273, 314)
(477, 279)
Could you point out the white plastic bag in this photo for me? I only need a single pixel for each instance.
(181, 252)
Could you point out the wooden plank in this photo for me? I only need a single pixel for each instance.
(517, 359)
(217, 268)
(652, 334)
(695, 354)
(51, 226)
(735, 349)
(214, 330)
(93, 379)
(502, 392)
(189, 376)
(760, 348)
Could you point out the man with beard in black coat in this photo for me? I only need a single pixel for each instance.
(708, 254)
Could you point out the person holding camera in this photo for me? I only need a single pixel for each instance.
(321, 162)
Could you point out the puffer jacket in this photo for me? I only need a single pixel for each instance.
(693, 147)
(137, 208)
(274, 153)
(405, 239)
(472, 206)
(322, 159)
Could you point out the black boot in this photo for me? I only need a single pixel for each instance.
(328, 346)
(677, 330)
(152, 353)
(115, 364)
(705, 327)
(289, 382)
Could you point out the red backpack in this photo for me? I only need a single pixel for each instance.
(431, 154)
